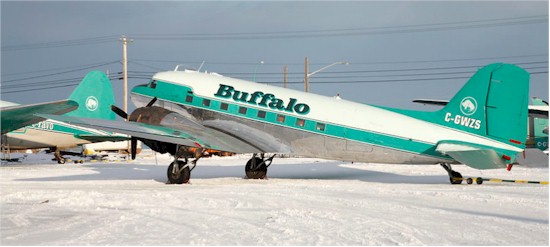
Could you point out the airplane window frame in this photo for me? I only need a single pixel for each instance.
(281, 118)
(321, 127)
(261, 114)
(300, 122)
(243, 110)
(189, 98)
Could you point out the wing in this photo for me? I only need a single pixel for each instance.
(472, 155)
(15, 117)
(536, 111)
(191, 136)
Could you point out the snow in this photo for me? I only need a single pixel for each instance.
(304, 202)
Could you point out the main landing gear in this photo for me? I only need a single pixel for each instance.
(57, 154)
(179, 171)
(454, 177)
(256, 167)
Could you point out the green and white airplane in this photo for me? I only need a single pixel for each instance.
(184, 112)
(23, 129)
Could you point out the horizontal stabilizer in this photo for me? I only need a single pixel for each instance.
(533, 157)
(472, 155)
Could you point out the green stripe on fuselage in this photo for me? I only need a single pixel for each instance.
(166, 91)
(57, 127)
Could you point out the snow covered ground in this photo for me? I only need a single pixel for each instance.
(304, 202)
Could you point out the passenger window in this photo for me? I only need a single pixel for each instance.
(280, 118)
(261, 114)
(189, 99)
(206, 102)
(320, 127)
(242, 110)
(300, 122)
(224, 106)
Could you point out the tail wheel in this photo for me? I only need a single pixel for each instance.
(456, 178)
(253, 171)
(178, 178)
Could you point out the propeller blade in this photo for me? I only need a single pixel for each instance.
(152, 102)
(133, 147)
(119, 112)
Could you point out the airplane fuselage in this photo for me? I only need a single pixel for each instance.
(46, 134)
(280, 120)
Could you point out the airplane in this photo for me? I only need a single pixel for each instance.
(22, 129)
(483, 126)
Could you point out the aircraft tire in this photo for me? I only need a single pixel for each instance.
(258, 173)
(182, 177)
(456, 178)
(479, 180)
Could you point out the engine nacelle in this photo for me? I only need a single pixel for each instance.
(158, 116)
(152, 115)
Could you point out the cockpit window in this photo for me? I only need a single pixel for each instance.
(153, 84)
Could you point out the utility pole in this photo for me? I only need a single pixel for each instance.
(285, 79)
(125, 70)
(306, 79)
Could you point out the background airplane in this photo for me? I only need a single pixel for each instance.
(483, 126)
(91, 99)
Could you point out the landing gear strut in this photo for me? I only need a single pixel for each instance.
(57, 155)
(454, 177)
(179, 171)
(256, 167)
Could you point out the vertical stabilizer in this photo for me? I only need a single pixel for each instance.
(492, 103)
(94, 96)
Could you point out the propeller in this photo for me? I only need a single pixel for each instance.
(133, 140)
(152, 102)
(121, 113)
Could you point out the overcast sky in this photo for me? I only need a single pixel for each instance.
(398, 51)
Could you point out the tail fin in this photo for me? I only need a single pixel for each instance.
(94, 96)
(492, 103)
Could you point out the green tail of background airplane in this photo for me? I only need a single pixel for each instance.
(93, 98)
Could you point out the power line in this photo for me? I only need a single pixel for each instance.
(446, 26)
(54, 69)
(59, 73)
(397, 75)
(267, 63)
(349, 31)
(63, 43)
